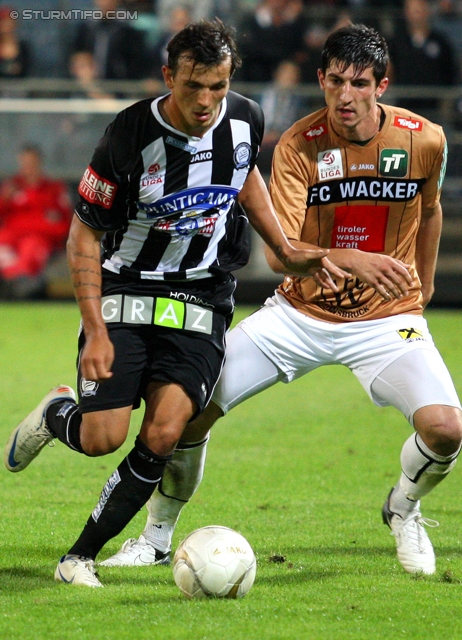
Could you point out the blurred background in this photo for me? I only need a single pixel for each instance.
(67, 67)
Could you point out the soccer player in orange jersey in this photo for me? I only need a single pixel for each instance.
(362, 179)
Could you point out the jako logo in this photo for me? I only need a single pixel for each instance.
(408, 123)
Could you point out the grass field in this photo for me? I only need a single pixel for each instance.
(301, 470)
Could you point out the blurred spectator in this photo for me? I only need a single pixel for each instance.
(14, 52)
(179, 17)
(35, 215)
(274, 32)
(314, 39)
(448, 21)
(282, 106)
(420, 55)
(83, 68)
(226, 10)
(118, 49)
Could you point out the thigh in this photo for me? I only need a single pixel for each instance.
(416, 379)
(190, 359)
(247, 371)
(103, 432)
(293, 342)
(124, 388)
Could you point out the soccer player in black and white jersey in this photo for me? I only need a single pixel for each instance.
(165, 202)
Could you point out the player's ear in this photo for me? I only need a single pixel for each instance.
(381, 88)
(168, 75)
(321, 78)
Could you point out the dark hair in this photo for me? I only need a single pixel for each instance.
(206, 43)
(30, 147)
(356, 45)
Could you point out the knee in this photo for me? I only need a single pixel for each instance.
(440, 429)
(99, 447)
(96, 443)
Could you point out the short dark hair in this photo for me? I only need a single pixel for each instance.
(207, 43)
(30, 147)
(356, 45)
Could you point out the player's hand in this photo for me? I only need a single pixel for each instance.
(388, 276)
(97, 357)
(307, 262)
(323, 276)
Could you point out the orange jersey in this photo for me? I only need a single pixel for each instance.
(331, 192)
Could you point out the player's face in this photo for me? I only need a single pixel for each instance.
(352, 100)
(196, 95)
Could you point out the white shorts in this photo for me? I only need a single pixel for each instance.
(394, 359)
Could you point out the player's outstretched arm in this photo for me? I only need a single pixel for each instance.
(83, 254)
(254, 197)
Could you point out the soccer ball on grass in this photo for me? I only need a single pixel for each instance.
(214, 562)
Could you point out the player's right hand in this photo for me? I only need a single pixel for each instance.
(97, 357)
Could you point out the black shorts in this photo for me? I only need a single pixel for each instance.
(169, 332)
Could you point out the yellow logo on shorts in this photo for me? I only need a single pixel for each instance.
(411, 334)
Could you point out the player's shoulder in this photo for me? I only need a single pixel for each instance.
(137, 109)
(308, 129)
(405, 121)
(241, 106)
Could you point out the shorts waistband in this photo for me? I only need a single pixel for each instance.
(156, 310)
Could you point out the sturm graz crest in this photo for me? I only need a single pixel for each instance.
(242, 155)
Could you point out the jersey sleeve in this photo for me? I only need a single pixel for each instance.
(258, 129)
(289, 189)
(104, 187)
(431, 190)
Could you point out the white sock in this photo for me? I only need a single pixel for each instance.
(182, 477)
(422, 470)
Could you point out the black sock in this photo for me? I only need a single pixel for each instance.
(125, 493)
(63, 420)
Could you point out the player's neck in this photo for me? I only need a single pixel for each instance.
(365, 130)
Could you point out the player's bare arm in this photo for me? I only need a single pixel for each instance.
(386, 275)
(83, 254)
(428, 239)
(322, 271)
(255, 199)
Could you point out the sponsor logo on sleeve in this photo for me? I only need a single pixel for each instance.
(241, 155)
(315, 132)
(96, 189)
(411, 124)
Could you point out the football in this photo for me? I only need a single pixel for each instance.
(214, 562)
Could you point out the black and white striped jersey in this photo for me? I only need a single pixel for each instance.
(168, 201)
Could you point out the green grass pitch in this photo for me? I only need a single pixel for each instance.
(301, 471)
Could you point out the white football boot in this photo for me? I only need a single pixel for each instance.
(32, 434)
(414, 549)
(137, 553)
(77, 570)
